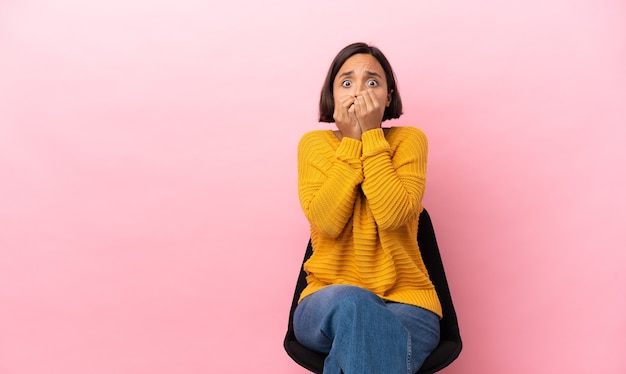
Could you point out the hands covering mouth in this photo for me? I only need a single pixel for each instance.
(357, 114)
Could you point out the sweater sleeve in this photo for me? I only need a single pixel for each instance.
(394, 182)
(328, 181)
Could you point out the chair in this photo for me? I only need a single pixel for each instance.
(450, 343)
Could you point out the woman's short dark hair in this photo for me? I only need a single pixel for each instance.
(327, 99)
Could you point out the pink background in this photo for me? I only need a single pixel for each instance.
(149, 220)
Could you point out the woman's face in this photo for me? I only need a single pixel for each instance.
(359, 73)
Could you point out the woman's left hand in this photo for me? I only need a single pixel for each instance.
(369, 112)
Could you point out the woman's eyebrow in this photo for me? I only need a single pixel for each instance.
(373, 73)
(370, 73)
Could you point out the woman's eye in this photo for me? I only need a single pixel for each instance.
(372, 83)
(346, 83)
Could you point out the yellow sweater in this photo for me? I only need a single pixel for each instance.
(363, 200)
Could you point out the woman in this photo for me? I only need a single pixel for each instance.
(369, 302)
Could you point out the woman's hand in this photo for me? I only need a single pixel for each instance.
(346, 118)
(369, 112)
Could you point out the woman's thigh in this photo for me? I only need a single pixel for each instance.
(311, 315)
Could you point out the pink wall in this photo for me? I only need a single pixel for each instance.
(149, 220)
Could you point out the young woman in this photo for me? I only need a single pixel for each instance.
(369, 302)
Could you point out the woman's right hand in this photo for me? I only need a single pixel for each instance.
(345, 117)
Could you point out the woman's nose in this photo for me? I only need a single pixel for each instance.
(358, 87)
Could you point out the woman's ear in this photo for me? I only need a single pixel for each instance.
(389, 98)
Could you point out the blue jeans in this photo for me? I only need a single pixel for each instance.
(363, 334)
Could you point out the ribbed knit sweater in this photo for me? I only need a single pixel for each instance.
(363, 200)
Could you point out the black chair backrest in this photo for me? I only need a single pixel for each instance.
(450, 344)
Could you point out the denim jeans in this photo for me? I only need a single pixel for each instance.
(363, 334)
